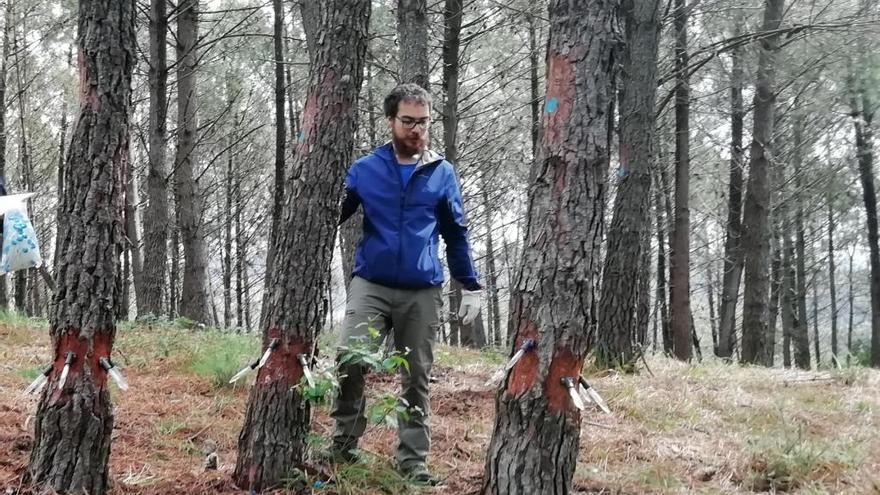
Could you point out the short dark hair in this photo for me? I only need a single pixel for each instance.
(410, 92)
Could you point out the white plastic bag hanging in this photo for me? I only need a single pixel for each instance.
(20, 247)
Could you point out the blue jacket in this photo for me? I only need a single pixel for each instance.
(401, 225)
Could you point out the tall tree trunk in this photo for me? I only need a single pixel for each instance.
(755, 215)
(801, 337)
(412, 24)
(62, 142)
(832, 286)
(663, 217)
(241, 285)
(534, 82)
(623, 269)
(132, 238)
(24, 153)
(491, 270)
(156, 219)
(174, 273)
(124, 278)
(7, 27)
(535, 440)
(350, 231)
(510, 268)
(710, 293)
(280, 136)
(643, 315)
(74, 422)
(292, 113)
(227, 234)
(790, 320)
(816, 325)
(679, 259)
(862, 110)
(472, 335)
(273, 438)
(195, 301)
(849, 331)
(733, 251)
(775, 293)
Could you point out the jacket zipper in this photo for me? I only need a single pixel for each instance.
(403, 192)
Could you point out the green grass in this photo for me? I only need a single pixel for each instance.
(367, 475)
(459, 357)
(11, 317)
(30, 374)
(218, 356)
(658, 477)
(169, 426)
(209, 352)
(786, 459)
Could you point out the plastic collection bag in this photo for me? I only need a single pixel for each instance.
(20, 247)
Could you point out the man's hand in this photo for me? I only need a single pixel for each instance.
(470, 306)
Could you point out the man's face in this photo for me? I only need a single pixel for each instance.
(409, 129)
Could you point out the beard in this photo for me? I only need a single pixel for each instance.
(410, 144)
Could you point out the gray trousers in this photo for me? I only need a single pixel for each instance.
(414, 316)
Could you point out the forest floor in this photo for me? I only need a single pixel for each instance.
(700, 428)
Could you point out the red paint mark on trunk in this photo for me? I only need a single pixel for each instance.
(559, 98)
(307, 126)
(88, 91)
(252, 475)
(564, 364)
(327, 89)
(523, 375)
(70, 341)
(283, 363)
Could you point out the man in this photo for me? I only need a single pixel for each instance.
(409, 195)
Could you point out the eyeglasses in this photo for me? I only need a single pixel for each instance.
(410, 123)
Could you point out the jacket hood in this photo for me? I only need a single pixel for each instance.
(429, 157)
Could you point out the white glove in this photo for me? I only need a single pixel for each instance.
(469, 307)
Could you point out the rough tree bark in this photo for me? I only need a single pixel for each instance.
(242, 317)
(756, 211)
(73, 424)
(452, 14)
(229, 213)
(280, 168)
(473, 335)
(679, 257)
(832, 285)
(491, 271)
(863, 115)
(132, 241)
(850, 300)
(350, 232)
(150, 297)
(802, 332)
(273, 438)
(733, 252)
(412, 24)
(662, 222)
(534, 82)
(7, 25)
(790, 320)
(20, 288)
(623, 269)
(535, 440)
(195, 301)
(775, 292)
